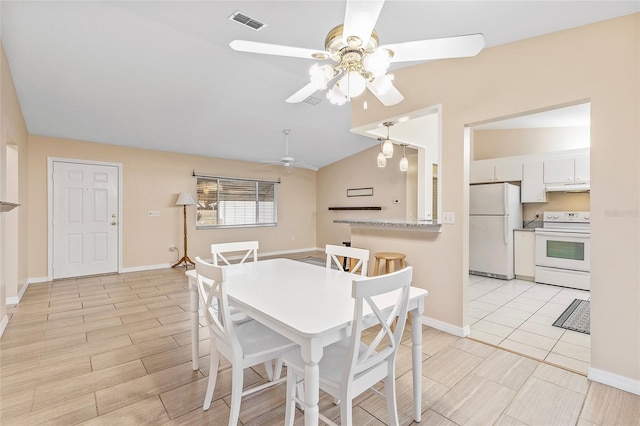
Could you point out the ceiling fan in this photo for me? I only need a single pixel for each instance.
(287, 161)
(353, 48)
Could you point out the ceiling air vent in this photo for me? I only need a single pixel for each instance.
(247, 21)
(312, 101)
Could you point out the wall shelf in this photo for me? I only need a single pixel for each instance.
(356, 208)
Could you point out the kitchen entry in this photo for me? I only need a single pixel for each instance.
(84, 215)
(518, 314)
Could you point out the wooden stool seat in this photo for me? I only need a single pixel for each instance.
(390, 259)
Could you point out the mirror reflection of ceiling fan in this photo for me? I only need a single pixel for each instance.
(287, 161)
(358, 62)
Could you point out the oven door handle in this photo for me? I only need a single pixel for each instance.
(582, 235)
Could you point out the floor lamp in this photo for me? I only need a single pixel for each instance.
(185, 199)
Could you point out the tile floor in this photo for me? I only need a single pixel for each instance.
(517, 315)
(115, 350)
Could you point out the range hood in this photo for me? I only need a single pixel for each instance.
(568, 187)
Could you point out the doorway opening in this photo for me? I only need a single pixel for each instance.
(518, 313)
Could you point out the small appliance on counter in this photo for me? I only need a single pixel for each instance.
(563, 250)
(494, 212)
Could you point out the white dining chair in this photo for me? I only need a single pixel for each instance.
(249, 252)
(243, 345)
(361, 255)
(221, 251)
(351, 366)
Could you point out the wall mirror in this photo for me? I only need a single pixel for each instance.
(420, 130)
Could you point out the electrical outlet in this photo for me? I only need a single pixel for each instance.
(448, 217)
(172, 247)
(537, 215)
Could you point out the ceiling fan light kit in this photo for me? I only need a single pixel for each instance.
(363, 64)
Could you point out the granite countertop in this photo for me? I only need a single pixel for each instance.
(417, 225)
(530, 226)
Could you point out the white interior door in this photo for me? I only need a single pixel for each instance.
(85, 219)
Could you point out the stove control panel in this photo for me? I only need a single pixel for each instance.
(567, 217)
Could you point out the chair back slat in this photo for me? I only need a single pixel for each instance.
(213, 299)
(367, 313)
(248, 248)
(335, 251)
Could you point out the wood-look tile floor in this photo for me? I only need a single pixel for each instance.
(115, 349)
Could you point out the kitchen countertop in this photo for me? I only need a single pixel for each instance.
(530, 226)
(415, 225)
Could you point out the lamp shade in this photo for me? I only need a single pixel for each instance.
(387, 148)
(185, 199)
(404, 164)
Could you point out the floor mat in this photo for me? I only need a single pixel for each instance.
(576, 317)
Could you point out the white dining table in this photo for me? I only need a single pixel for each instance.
(312, 306)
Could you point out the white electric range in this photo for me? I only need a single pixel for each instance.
(563, 250)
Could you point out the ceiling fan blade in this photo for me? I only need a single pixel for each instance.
(391, 97)
(302, 165)
(360, 18)
(302, 94)
(275, 49)
(437, 48)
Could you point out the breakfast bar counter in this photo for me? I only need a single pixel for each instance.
(409, 225)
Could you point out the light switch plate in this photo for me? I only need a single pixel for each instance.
(448, 217)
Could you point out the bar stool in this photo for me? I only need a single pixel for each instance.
(390, 259)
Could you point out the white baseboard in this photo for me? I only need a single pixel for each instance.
(16, 299)
(278, 253)
(38, 280)
(614, 380)
(3, 324)
(446, 327)
(145, 268)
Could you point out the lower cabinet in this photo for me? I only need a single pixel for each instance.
(524, 254)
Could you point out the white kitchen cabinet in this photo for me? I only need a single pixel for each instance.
(532, 189)
(488, 171)
(524, 254)
(566, 170)
(582, 169)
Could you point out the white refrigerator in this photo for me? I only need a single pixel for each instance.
(494, 212)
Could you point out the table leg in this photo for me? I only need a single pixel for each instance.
(416, 358)
(311, 354)
(195, 324)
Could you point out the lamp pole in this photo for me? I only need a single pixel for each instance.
(185, 199)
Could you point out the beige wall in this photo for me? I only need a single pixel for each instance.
(497, 143)
(13, 228)
(151, 181)
(599, 63)
(358, 171)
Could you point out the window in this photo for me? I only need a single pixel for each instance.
(235, 202)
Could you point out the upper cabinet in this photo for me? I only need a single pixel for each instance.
(567, 170)
(495, 170)
(532, 189)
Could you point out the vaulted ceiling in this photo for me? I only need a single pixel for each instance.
(161, 75)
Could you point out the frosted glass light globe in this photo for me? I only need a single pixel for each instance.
(352, 84)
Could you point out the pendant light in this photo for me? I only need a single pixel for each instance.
(404, 163)
(387, 146)
(382, 160)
